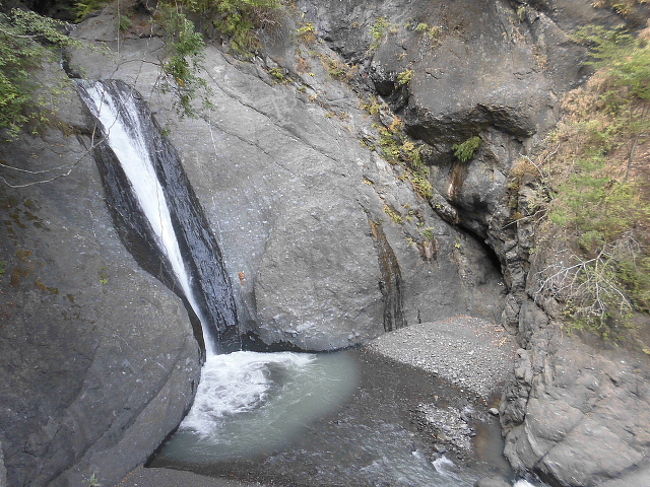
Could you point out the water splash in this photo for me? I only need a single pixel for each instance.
(236, 383)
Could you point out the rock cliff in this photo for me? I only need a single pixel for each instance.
(328, 243)
(98, 358)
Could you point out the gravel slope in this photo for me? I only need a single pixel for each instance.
(164, 477)
(468, 352)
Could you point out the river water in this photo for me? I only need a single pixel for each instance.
(340, 419)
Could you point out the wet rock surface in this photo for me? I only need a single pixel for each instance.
(449, 426)
(97, 357)
(292, 194)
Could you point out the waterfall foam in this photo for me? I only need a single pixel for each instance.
(236, 383)
(122, 126)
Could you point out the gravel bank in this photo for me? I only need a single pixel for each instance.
(165, 477)
(468, 352)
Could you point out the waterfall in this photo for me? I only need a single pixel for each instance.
(173, 219)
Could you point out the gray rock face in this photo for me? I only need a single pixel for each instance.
(491, 482)
(487, 69)
(301, 210)
(310, 278)
(491, 69)
(497, 70)
(293, 197)
(98, 358)
(577, 415)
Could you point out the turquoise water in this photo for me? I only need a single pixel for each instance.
(342, 419)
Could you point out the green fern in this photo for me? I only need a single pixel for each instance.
(465, 152)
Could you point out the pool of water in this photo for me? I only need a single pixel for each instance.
(250, 404)
(339, 419)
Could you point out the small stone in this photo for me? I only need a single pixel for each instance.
(440, 448)
(491, 482)
(493, 411)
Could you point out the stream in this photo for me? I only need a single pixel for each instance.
(338, 419)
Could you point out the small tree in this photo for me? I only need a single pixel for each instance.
(26, 41)
(466, 150)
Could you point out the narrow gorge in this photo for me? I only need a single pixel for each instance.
(336, 243)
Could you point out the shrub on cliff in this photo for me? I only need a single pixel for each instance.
(27, 40)
(184, 62)
(238, 20)
(597, 166)
(465, 151)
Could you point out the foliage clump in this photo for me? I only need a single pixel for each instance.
(379, 30)
(83, 8)
(465, 151)
(307, 33)
(394, 215)
(240, 21)
(278, 74)
(337, 69)
(431, 31)
(601, 200)
(623, 7)
(372, 105)
(397, 148)
(404, 77)
(623, 58)
(27, 40)
(185, 58)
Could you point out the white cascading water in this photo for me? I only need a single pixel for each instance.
(126, 139)
(230, 384)
(236, 383)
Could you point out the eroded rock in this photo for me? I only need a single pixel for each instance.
(290, 192)
(98, 358)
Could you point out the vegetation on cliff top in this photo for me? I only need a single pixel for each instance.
(596, 164)
(27, 41)
(240, 21)
(184, 62)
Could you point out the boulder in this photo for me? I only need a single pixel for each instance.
(491, 482)
(98, 358)
(577, 415)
